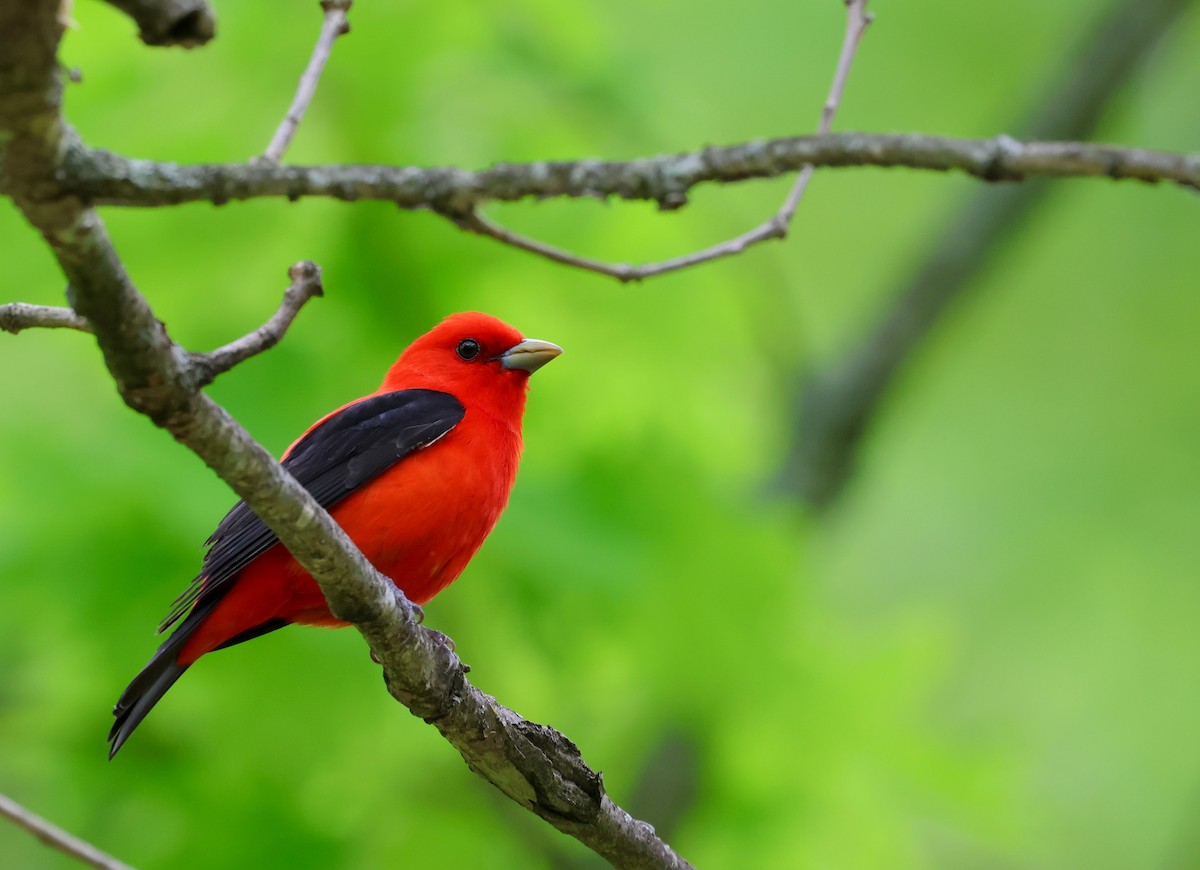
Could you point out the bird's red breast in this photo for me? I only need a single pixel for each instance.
(419, 523)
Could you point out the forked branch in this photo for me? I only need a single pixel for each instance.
(306, 284)
(775, 227)
(534, 765)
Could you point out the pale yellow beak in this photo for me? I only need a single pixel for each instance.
(530, 355)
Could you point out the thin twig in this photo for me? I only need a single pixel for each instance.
(15, 316)
(56, 838)
(624, 272)
(333, 26)
(775, 227)
(306, 283)
(475, 222)
(857, 21)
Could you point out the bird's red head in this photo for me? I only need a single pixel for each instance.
(470, 353)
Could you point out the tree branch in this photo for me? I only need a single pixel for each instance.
(204, 367)
(838, 402)
(187, 23)
(103, 178)
(534, 765)
(333, 25)
(775, 227)
(56, 838)
(16, 316)
(857, 21)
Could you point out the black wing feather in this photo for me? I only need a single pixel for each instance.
(333, 460)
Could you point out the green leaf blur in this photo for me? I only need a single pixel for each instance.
(985, 656)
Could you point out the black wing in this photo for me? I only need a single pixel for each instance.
(333, 460)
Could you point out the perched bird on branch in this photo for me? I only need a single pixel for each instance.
(417, 473)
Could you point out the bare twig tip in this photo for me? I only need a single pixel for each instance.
(334, 25)
(307, 273)
(306, 283)
(16, 316)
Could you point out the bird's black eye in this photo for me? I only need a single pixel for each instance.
(467, 349)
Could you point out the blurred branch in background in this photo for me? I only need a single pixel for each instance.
(56, 838)
(839, 401)
(665, 791)
(186, 23)
(670, 782)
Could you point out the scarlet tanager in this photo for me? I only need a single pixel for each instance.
(417, 473)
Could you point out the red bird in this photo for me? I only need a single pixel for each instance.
(417, 473)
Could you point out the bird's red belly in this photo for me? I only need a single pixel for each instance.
(414, 525)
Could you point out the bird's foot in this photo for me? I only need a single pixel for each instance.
(409, 606)
(442, 639)
(446, 641)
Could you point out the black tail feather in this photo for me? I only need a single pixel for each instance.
(148, 687)
(141, 696)
(152, 682)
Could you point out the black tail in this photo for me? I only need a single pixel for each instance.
(160, 674)
(142, 694)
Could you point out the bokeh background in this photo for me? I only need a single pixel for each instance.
(984, 654)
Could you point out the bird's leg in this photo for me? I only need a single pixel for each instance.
(448, 642)
(408, 606)
(414, 610)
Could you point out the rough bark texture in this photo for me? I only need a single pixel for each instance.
(108, 179)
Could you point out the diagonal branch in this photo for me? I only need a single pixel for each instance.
(839, 401)
(775, 227)
(333, 25)
(15, 316)
(56, 838)
(532, 764)
(306, 283)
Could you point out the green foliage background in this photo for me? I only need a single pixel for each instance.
(986, 656)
